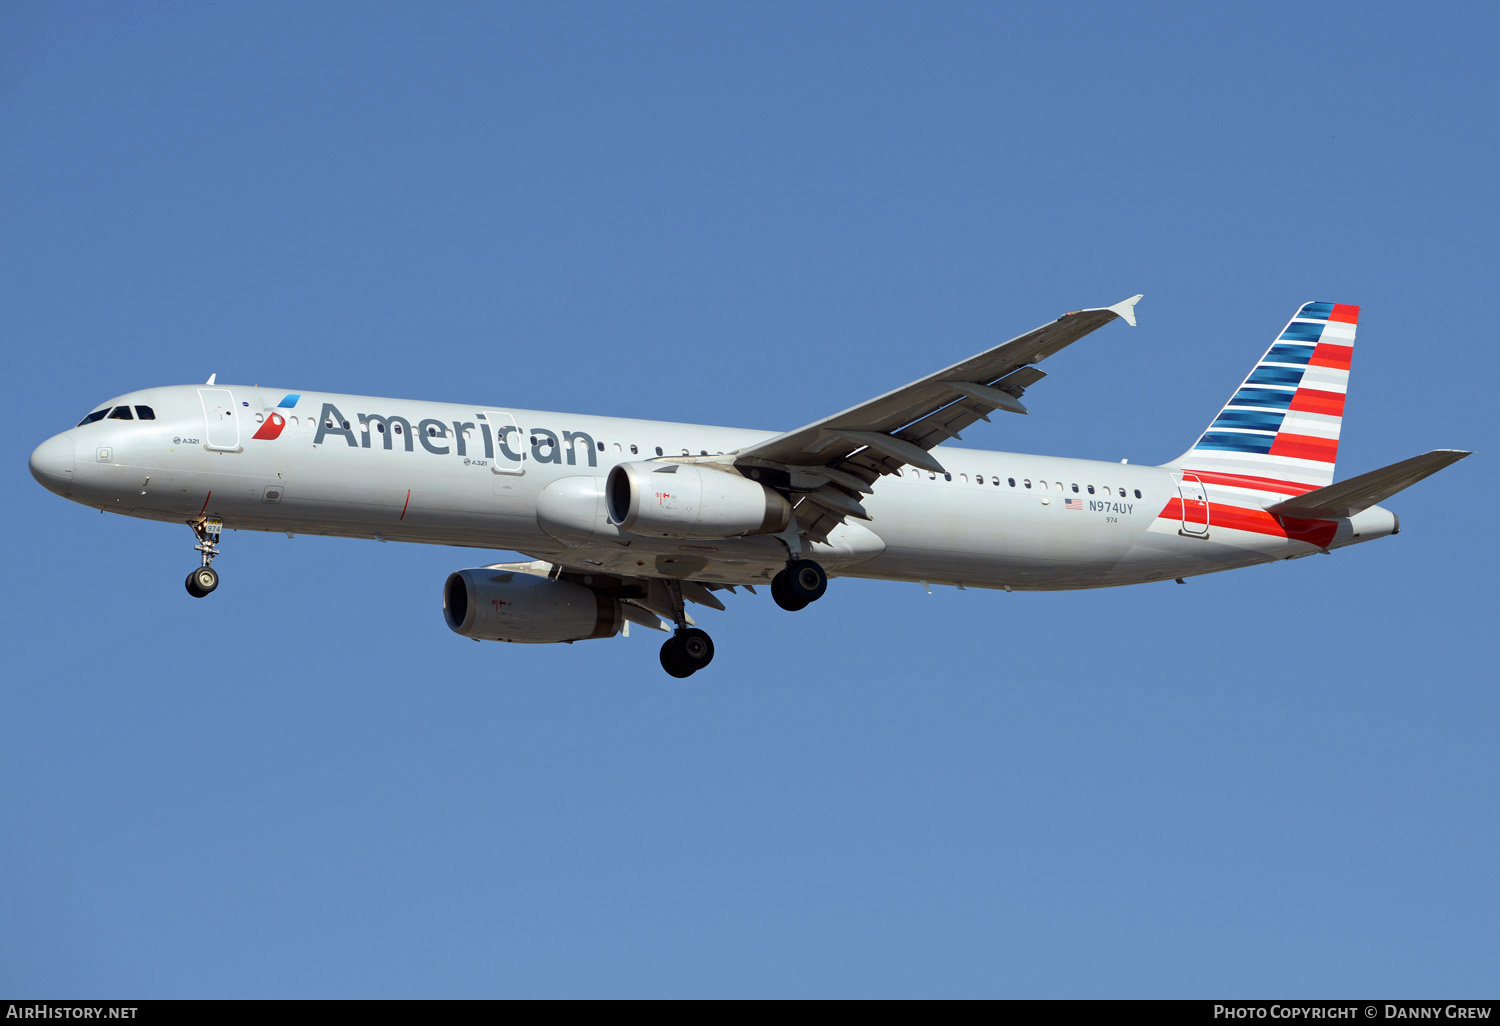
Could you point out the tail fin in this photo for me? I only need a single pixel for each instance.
(1279, 432)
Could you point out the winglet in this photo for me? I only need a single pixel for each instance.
(1125, 310)
(210, 380)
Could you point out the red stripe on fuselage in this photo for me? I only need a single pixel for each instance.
(1329, 355)
(1311, 400)
(1259, 484)
(1258, 521)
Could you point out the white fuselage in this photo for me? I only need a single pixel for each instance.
(532, 482)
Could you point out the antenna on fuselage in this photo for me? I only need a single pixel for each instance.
(210, 380)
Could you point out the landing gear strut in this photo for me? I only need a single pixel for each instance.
(689, 649)
(205, 579)
(800, 584)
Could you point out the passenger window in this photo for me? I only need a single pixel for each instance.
(1027, 482)
(1059, 486)
(1075, 489)
(947, 477)
(94, 417)
(1091, 489)
(1043, 484)
(145, 413)
(658, 450)
(120, 413)
(1137, 493)
(634, 451)
(1013, 482)
(601, 447)
(1122, 493)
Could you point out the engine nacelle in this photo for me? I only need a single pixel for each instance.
(682, 500)
(499, 605)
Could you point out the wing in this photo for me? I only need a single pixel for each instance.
(831, 462)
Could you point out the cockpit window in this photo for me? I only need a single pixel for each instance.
(97, 415)
(120, 413)
(145, 413)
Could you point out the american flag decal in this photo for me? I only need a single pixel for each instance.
(1073, 504)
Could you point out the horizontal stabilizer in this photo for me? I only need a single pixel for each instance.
(1359, 493)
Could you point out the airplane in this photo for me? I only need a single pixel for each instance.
(627, 521)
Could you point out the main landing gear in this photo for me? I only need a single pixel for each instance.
(800, 584)
(205, 579)
(686, 652)
(689, 649)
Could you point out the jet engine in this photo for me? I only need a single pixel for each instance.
(501, 605)
(684, 500)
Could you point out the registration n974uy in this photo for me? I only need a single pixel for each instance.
(631, 521)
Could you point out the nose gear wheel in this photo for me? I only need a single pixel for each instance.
(205, 579)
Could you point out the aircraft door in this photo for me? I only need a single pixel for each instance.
(509, 445)
(1194, 506)
(221, 420)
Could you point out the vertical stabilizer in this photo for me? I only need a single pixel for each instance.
(1279, 433)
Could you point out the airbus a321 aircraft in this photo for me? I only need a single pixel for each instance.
(627, 521)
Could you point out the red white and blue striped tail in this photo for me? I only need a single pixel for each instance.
(1279, 433)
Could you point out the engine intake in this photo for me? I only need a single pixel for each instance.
(683, 500)
(501, 605)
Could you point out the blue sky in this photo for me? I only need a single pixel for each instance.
(1275, 782)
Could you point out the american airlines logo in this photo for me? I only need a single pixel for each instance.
(444, 438)
(271, 429)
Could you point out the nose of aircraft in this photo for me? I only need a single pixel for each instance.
(52, 463)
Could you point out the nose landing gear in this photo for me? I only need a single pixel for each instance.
(202, 581)
(205, 579)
